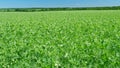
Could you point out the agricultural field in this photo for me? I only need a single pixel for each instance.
(60, 39)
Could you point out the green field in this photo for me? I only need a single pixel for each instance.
(60, 39)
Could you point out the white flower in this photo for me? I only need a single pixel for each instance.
(57, 64)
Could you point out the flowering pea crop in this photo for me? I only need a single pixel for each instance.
(60, 39)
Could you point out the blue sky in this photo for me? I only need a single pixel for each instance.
(57, 3)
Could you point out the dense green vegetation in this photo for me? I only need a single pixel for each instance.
(72, 39)
(57, 9)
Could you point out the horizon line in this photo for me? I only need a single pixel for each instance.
(60, 7)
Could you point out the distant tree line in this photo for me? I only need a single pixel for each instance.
(56, 9)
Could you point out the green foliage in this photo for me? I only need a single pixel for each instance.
(57, 9)
(72, 39)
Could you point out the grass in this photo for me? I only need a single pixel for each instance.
(66, 39)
